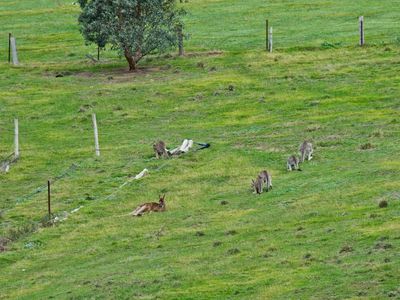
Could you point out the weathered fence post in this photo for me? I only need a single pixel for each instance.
(9, 47)
(48, 198)
(180, 40)
(270, 42)
(96, 135)
(266, 35)
(98, 53)
(16, 139)
(361, 27)
(14, 51)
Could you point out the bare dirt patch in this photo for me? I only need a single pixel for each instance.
(367, 146)
(383, 204)
(383, 246)
(233, 251)
(3, 243)
(114, 75)
(231, 232)
(122, 74)
(346, 249)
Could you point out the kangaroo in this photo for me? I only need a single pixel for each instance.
(267, 179)
(160, 149)
(148, 207)
(306, 151)
(293, 163)
(257, 185)
(263, 177)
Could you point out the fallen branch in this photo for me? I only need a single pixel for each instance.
(186, 146)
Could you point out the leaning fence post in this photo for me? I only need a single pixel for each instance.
(180, 40)
(14, 51)
(361, 28)
(96, 135)
(270, 42)
(16, 139)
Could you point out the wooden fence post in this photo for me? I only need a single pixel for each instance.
(9, 47)
(98, 53)
(270, 41)
(266, 35)
(14, 51)
(361, 28)
(96, 135)
(180, 40)
(16, 139)
(48, 198)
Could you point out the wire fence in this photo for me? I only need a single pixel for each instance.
(285, 36)
(83, 154)
(42, 188)
(327, 32)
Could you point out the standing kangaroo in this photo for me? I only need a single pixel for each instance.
(148, 207)
(263, 177)
(306, 151)
(160, 149)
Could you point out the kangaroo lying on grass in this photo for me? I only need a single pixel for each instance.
(263, 177)
(148, 207)
(293, 163)
(306, 151)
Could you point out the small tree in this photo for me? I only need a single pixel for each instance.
(135, 28)
(95, 30)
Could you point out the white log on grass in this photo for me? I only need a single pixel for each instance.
(142, 174)
(183, 148)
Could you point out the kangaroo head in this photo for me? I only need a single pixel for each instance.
(162, 200)
(257, 185)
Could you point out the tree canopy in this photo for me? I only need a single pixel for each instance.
(135, 28)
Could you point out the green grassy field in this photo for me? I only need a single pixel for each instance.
(319, 234)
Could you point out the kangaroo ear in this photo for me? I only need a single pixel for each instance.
(163, 197)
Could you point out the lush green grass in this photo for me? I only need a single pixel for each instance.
(285, 244)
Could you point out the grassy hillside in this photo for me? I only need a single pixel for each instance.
(318, 235)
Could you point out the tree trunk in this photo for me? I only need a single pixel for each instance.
(138, 55)
(130, 59)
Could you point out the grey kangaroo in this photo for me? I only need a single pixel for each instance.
(306, 151)
(160, 149)
(293, 163)
(263, 177)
